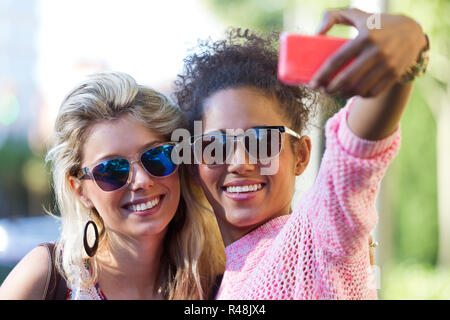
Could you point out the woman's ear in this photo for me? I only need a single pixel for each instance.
(302, 154)
(77, 188)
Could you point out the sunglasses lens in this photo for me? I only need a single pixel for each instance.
(210, 149)
(262, 143)
(213, 148)
(112, 174)
(158, 162)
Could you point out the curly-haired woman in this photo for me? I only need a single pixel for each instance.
(320, 249)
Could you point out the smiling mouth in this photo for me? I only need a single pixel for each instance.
(144, 206)
(244, 189)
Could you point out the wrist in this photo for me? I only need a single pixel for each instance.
(420, 66)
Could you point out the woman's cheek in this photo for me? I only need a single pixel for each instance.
(210, 179)
(175, 190)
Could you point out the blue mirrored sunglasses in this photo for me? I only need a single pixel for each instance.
(114, 174)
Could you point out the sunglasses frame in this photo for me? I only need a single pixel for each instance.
(86, 172)
(238, 137)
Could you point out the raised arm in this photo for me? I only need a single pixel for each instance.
(382, 56)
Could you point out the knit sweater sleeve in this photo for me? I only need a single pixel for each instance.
(346, 187)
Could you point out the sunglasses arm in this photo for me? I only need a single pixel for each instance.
(85, 174)
(292, 133)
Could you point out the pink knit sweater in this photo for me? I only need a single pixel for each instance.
(320, 251)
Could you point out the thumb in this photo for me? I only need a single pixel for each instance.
(328, 20)
(346, 16)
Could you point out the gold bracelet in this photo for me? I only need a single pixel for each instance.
(373, 244)
(420, 67)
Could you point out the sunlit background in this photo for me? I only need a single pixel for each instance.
(47, 47)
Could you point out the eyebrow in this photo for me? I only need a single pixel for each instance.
(116, 155)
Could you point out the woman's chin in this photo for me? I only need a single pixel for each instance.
(244, 218)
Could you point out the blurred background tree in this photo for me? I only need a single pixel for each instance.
(24, 184)
(261, 15)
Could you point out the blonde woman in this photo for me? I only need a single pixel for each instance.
(130, 226)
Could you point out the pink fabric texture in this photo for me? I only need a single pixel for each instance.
(320, 251)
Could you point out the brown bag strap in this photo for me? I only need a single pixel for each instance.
(56, 288)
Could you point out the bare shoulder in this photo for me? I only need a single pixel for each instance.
(28, 279)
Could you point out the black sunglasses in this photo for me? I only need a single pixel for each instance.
(261, 144)
(114, 174)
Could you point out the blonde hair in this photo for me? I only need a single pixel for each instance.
(193, 249)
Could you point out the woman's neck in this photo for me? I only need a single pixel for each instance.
(129, 268)
(231, 233)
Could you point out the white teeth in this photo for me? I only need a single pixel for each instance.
(144, 206)
(248, 188)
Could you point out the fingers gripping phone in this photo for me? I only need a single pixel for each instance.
(300, 56)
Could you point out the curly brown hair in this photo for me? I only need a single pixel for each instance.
(243, 58)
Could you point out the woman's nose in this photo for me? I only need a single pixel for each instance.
(240, 162)
(140, 178)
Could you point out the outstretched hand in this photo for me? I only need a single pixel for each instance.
(382, 54)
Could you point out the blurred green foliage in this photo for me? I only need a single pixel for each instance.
(409, 281)
(414, 176)
(414, 170)
(13, 193)
(24, 182)
(267, 15)
(262, 15)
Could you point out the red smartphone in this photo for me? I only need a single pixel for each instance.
(301, 56)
